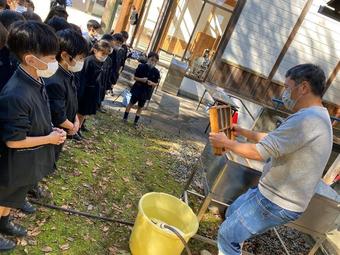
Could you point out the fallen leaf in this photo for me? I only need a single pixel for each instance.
(32, 242)
(64, 247)
(22, 242)
(148, 162)
(71, 239)
(47, 249)
(105, 229)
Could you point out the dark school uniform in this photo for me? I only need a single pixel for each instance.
(123, 53)
(24, 111)
(141, 92)
(91, 80)
(115, 58)
(62, 94)
(8, 65)
(106, 80)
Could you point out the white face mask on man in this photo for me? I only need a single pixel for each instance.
(52, 68)
(287, 100)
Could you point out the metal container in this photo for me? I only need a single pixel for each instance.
(175, 76)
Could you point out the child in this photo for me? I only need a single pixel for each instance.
(58, 11)
(147, 77)
(61, 88)
(123, 52)
(27, 136)
(93, 32)
(117, 41)
(8, 62)
(91, 79)
(105, 87)
(58, 24)
(8, 17)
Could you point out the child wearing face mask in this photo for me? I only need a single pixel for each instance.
(93, 32)
(27, 136)
(92, 78)
(147, 78)
(61, 88)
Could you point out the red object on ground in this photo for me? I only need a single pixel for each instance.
(235, 118)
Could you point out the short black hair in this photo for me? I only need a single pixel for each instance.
(118, 37)
(58, 23)
(30, 4)
(311, 73)
(76, 28)
(3, 4)
(32, 37)
(125, 35)
(28, 15)
(71, 42)
(107, 37)
(103, 45)
(58, 11)
(8, 17)
(153, 54)
(93, 24)
(3, 35)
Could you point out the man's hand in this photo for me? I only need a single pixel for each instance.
(218, 140)
(236, 130)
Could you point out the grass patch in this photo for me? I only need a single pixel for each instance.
(106, 174)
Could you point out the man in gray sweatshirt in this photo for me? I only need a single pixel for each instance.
(295, 153)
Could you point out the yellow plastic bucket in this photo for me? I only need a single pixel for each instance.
(148, 238)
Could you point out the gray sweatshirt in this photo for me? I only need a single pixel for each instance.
(296, 154)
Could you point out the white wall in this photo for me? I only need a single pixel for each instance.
(262, 30)
(317, 41)
(333, 93)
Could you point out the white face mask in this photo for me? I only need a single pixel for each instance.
(77, 67)
(102, 59)
(287, 100)
(20, 9)
(52, 68)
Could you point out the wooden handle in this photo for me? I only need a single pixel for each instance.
(214, 120)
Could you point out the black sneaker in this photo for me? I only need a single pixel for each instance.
(77, 137)
(6, 245)
(7, 227)
(83, 128)
(28, 208)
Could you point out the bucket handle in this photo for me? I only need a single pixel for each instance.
(179, 236)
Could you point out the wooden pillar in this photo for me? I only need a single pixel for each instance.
(167, 23)
(289, 41)
(124, 16)
(216, 61)
(109, 14)
(332, 76)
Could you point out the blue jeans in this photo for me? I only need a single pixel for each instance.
(251, 214)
